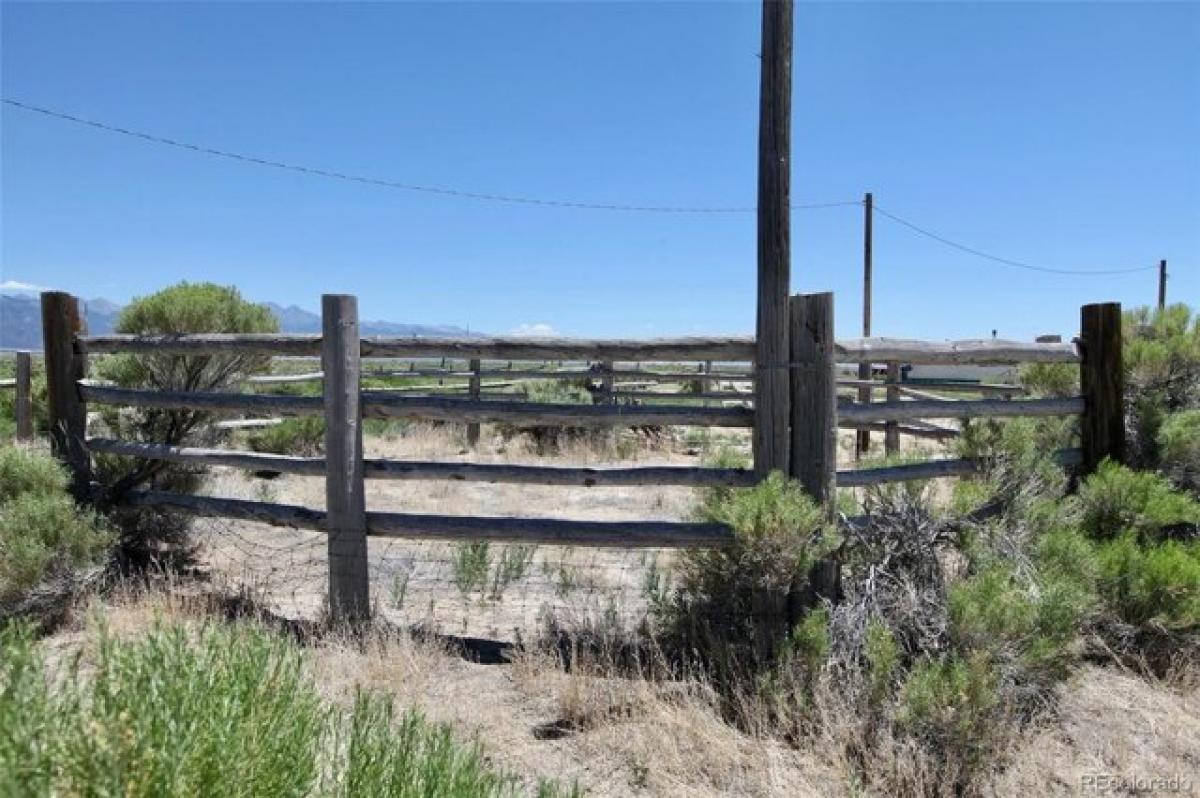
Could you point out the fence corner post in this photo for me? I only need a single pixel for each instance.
(345, 499)
(66, 364)
(23, 397)
(814, 427)
(814, 396)
(1102, 383)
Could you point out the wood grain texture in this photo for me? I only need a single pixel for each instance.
(345, 496)
(214, 402)
(814, 396)
(973, 352)
(772, 384)
(540, 531)
(686, 476)
(1102, 381)
(66, 364)
(383, 405)
(970, 408)
(23, 397)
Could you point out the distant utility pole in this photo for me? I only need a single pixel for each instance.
(863, 439)
(1162, 284)
(772, 355)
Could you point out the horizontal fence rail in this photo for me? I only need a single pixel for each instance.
(467, 472)
(384, 404)
(695, 348)
(501, 529)
(989, 352)
(979, 408)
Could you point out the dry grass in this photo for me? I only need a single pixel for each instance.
(621, 736)
(591, 723)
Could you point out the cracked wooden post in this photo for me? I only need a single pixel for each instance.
(66, 364)
(345, 500)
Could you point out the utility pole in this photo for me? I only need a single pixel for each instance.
(772, 354)
(1162, 285)
(863, 438)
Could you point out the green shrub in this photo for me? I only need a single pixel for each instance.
(149, 535)
(1050, 379)
(293, 436)
(1178, 443)
(950, 702)
(41, 529)
(733, 606)
(882, 654)
(1162, 375)
(1116, 499)
(222, 710)
(1152, 586)
(472, 562)
(23, 470)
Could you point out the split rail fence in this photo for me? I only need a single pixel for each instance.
(811, 411)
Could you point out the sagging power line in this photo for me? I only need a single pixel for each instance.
(536, 201)
(1006, 261)
(395, 184)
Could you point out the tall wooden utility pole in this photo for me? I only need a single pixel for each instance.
(863, 438)
(772, 355)
(1162, 284)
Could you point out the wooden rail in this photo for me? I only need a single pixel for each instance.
(696, 348)
(463, 529)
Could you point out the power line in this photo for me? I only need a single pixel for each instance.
(1005, 261)
(450, 192)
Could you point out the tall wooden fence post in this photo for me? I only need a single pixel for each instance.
(473, 385)
(345, 501)
(1102, 379)
(814, 396)
(771, 382)
(66, 364)
(891, 429)
(23, 399)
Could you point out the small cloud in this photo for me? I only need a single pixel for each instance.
(537, 330)
(17, 285)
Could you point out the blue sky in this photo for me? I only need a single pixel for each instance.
(1059, 134)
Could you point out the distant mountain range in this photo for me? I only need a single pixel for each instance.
(21, 321)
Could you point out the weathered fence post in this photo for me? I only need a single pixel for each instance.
(1102, 380)
(345, 501)
(23, 399)
(473, 391)
(771, 382)
(814, 396)
(814, 434)
(66, 363)
(891, 429)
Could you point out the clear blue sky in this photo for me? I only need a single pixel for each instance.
(1061, 134)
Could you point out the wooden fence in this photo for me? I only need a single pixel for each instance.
(807, 436)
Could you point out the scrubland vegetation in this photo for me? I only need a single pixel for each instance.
(906, 647)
